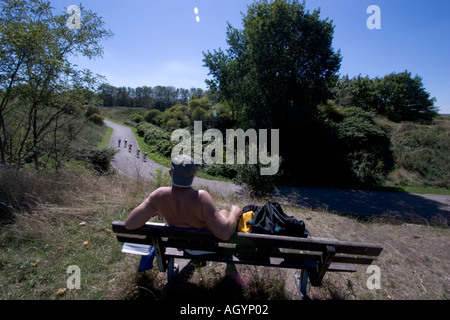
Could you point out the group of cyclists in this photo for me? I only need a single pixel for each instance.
(130, 146)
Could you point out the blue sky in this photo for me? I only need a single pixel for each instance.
(159, 42)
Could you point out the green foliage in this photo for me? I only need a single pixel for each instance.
(159, 97)
(279, 67)
(399, 96)
(258, 185)
(176, 117)
(276, 72)
(153, 116)
(161, 178)
(404, 98)
(156, 138)
(90, 110)
(94, 115)
(180, 116)
(223, 170)
(136, 117)
(422, 152)
(364, 146)
(41, 93)
(98, 160)
(97, 119)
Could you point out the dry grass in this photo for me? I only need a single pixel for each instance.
(414, 263)
(67, 223)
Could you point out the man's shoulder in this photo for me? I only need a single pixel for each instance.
(203, 193)
(160, 191)
(204, 196)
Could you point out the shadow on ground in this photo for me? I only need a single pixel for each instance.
(430, 209)
(195, 283)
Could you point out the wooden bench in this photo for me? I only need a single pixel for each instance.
(313, 256)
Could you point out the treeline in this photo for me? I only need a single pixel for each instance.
(158, 97)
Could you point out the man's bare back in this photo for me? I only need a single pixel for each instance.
(181, 206)
(185, 208)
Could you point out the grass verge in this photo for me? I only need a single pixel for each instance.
(69, 225)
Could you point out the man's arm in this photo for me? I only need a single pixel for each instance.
(142, 213)
(222, 223)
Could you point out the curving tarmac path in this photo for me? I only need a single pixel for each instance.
(354, 202)
(128, 163)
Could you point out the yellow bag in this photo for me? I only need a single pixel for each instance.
(245, 218)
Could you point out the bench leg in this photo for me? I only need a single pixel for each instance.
(302, 283)
(160, 256)
(172, 269)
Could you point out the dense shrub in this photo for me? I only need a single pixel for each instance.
(153, 116)
(98, 160)
(423, 151)
(363, 146)
(157, 139)
(90, 110)
(223, 170)
(257, 185)
(96, 119)
(136, 117)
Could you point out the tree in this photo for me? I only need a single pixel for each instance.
(276, 72)
(108, 94)
(41, 93)
(399, 96)
(404, 98)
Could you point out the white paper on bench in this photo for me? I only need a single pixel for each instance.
(134, 248)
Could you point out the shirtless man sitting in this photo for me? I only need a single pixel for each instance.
(182, 206)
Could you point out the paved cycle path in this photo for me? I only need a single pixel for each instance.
(140, 168)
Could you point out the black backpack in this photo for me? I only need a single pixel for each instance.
(270, 219)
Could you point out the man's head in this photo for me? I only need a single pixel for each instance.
(182, 170)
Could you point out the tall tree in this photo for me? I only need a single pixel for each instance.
(39, 87)
(276, 72)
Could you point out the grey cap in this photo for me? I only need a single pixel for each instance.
(183, 171)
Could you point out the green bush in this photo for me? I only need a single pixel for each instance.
(96, 119)
(90, 110)
(153, 116)
(364, 146)
(136, 117)
(98, 160)
(223, 170)
(250, 177)
(161, 178)
(157, 139)
(423, 151)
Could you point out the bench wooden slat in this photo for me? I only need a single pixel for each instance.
(134, 240)
(342, 267)
(250, 260)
